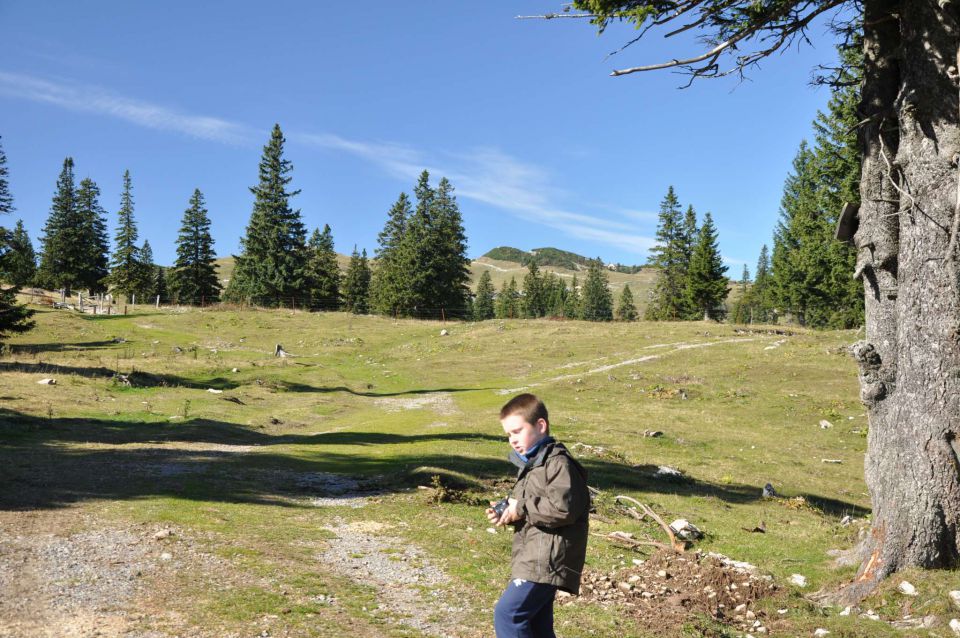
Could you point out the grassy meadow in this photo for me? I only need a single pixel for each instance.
(131, 437)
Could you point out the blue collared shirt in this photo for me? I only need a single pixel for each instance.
(532, 452)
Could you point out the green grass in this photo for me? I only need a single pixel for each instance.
(396, 403)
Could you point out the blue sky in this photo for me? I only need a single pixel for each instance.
(542, 146)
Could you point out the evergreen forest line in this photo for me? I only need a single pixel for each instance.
(420, 268)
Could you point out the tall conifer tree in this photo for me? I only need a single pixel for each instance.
(448, 253)
(571, 305)
(323, 271)
(626, 309)
(597, 302)
(356, 284)
(741, 311)
(483, 308)
(126, 275)
(92, 261)
(20, 263)
(508, 301)
(60, 241)
(146, 274)
(270, 269)
(6, 199)
(706, 279)
(534, 301)
(14, 317)
(669, 256)
(390, 289)
(193, 278)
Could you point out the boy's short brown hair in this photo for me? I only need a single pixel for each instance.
(527, 405)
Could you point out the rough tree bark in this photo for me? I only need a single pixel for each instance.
(910, 359)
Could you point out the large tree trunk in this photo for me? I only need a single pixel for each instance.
(910, 359)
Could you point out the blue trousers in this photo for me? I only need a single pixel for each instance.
(525, 610)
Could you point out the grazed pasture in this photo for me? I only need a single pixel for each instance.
(180, 480)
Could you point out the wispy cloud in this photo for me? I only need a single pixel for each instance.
(485, 175)
(92, 99)
(497, 179)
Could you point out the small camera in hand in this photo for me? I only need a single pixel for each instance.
(501, 506)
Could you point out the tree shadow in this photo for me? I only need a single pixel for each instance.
(136, 378)
(37, 348)
(141, 379)
(208, 460)
(288, 386)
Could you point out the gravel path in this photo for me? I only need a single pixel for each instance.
(408, 585)
(64, 574)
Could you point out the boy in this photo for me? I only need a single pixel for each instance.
(549, 508)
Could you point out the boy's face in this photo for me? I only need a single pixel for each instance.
(523, 435)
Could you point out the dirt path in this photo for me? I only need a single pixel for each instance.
(408, 585)
(676, 347)
(62, 576)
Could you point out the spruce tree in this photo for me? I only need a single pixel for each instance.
(416, 252)
(160, 287)
(6, 199)
(14, 317)
(356, 284)
(323, 271)
(146, 274)
(571, 305)
(193, 278)
(838, 167)
(448, 249)
(597, 302)
(508, 301)
(762, 284)
(669, 256)
(554, 295)
(534, 303)
(60, 239)
(390, 290)
(741, 311)
(20, 262)
(126, 276)
(483, 308)
(270, 269)
(799, 264)
(706, 279)
(759, 305)
(92, 263)
(626, 309)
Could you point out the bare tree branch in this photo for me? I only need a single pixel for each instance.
(788, 22)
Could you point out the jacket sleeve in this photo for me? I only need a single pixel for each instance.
(565, 496)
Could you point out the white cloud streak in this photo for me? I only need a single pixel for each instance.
(486, 175)
(497, 179)
(91, 99)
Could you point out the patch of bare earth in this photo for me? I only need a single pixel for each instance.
(440, 402)
(62, 576)
(670, 590)
(408, 586)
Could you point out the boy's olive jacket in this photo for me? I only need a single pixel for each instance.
(550, 541)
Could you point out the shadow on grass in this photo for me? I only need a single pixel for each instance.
(135, 378)
(140, 379)
(206, 460)
(37, 348)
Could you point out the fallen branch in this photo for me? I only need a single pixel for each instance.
(620, 538)
(678, 546)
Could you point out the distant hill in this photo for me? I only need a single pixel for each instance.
(543, 256)
(501, 270)
(225, 267)
(552, 257)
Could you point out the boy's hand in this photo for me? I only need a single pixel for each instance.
(509, 515)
